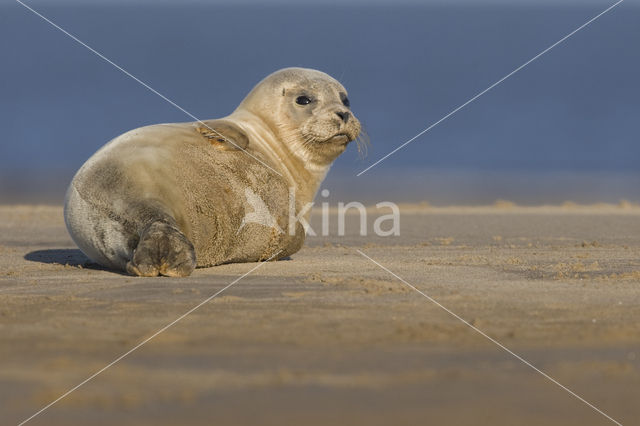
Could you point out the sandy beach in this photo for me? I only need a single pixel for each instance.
(328, 337)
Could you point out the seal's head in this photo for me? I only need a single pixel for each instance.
(307, 110)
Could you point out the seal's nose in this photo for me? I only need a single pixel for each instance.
(344, 115)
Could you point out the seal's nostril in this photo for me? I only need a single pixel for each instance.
(344, 115)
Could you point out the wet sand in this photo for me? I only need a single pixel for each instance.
(329, 337)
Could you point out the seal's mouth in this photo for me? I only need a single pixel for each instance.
(340, 138)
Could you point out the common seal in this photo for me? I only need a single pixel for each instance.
(165, 198)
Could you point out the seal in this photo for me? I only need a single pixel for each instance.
(166, 198)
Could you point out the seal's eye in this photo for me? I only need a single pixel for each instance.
(345, 102)
(303, 100)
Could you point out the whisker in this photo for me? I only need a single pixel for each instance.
(362, 142)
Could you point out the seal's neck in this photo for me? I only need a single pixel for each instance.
(288, 157)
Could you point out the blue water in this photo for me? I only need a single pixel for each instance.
(565, 127)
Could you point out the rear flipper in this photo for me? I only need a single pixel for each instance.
(162, 250)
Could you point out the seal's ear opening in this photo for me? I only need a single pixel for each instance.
(223, 135)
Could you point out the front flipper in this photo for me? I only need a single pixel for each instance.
(222, 134)
(162, 250)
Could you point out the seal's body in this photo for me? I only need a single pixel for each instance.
(166, 198)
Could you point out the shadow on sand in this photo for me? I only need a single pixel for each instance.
(71, 257)
(74, 257)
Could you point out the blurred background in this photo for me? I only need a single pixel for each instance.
(565, 128)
